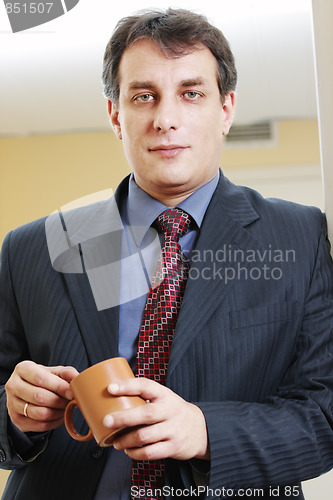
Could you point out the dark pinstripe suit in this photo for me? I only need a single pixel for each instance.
(253, 349)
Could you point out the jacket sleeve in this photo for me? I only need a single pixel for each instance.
(13, 349)
(288, 437)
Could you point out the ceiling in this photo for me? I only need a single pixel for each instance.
(50, 74)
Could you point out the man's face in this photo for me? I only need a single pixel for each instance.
(171, 119)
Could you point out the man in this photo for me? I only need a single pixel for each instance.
(248, 404)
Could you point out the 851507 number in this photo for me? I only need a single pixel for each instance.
(29, 8)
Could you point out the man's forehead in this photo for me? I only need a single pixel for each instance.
(143, 44)
(143, 60)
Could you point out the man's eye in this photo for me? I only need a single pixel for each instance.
(144, 98)
(191, 94)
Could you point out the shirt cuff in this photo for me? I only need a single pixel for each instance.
(200, 471)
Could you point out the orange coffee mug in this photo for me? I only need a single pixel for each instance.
(91, 396)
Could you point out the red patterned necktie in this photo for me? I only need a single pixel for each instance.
(156, 333)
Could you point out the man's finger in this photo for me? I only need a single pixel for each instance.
(156, 451)
(142, 436)
(67, 373)
(142, 415)
(147, 389)
(48, 378)
(43, 414)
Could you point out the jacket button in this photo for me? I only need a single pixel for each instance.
(96, 452)
(2, 455)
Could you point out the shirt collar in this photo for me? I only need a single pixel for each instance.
(142, 209)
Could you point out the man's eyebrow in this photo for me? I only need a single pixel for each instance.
(190, 82)
(137, 84)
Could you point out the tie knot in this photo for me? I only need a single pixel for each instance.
(173, 223)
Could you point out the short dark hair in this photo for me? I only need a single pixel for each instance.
(176, 32)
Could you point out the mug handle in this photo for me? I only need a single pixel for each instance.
(70, 424)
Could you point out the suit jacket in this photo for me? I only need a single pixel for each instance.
(252, 348)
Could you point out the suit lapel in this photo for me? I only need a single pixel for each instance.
(98, 329)
(223, 233)
(98, 235)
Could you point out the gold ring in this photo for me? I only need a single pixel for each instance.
(25, 410)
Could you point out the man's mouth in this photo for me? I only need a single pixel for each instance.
(168, 150)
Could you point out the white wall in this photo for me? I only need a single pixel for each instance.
(298, 183)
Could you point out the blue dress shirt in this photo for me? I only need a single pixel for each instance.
(138, 212)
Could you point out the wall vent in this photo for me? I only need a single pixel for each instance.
(262, 132)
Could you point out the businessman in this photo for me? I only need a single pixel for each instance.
(241, 398)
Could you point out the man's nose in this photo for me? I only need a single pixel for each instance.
(167, 115)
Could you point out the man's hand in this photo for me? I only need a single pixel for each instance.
(169, 426)
(45, 389)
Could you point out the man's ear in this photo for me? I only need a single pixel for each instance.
(228, 112)
(114, 118)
